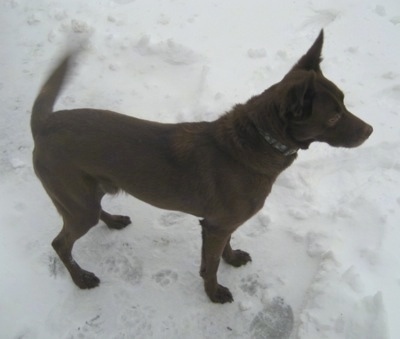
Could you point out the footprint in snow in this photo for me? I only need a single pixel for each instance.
(251, 284)
(389, 75)
(56, 267)
(321, 18)
(380, 10)
(171, 218)
(317, 244)
(165, 277)
(128, 268)
(135, 322)
(169, 51)
(90, 328)
(275, 321)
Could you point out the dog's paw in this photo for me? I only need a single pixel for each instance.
(85, 279)
(117, 222)
(221, 295)
(238, 258)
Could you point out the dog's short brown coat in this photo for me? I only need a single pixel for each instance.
(221, 171)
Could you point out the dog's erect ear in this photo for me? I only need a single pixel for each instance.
(298, 97)
(312, 59)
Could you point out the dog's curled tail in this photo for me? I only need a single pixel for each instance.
(44, 103)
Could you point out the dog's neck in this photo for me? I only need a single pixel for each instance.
(268, 124)
(238, 132)
(284, 149)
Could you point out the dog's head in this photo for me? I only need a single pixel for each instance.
(312, 107)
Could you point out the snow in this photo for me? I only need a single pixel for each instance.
(325, 246)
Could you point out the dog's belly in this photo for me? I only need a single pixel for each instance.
(224, 199)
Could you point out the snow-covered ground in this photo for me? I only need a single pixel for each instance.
(325, 247)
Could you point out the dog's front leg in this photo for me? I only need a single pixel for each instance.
(214, 242)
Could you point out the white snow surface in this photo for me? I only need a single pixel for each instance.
(325, 248)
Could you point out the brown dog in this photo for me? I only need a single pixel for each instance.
(221, 171)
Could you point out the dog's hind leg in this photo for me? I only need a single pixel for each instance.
(76, 199)
(63, 244)
(80, 214)
(116, 222)
(235, 258)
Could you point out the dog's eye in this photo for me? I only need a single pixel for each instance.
(333, 121)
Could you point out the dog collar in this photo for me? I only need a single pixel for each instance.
(285, 150)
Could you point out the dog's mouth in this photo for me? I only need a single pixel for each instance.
(303, 143)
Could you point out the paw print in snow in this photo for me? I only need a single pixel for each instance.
(251, 284)
(165, 277)
(129, 270)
